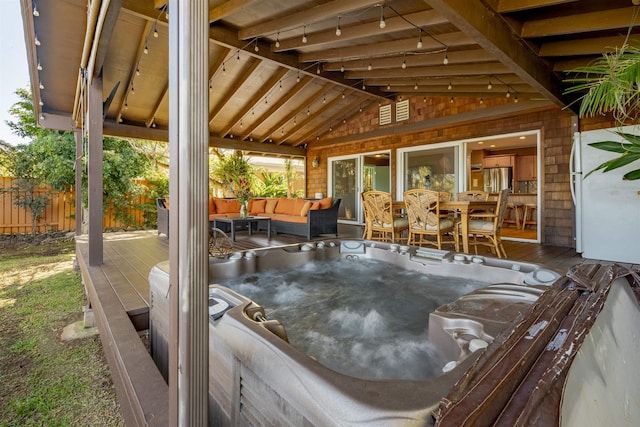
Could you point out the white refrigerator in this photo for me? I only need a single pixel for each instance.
(607, 207)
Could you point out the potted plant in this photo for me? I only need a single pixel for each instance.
(612, 85)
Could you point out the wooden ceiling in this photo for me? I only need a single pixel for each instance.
(283, 72)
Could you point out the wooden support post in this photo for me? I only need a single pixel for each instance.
(94, 124)
(188, 229)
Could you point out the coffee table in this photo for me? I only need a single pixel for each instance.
(235, 221)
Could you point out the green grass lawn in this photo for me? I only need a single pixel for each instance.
(44, 381)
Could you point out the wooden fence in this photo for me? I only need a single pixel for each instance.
(59, 214)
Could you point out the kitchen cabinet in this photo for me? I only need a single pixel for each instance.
(498, 161)
(526, 168)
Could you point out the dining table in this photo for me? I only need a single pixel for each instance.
(463, 208)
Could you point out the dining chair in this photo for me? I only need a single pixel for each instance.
(380, 222)
(486, 230)
(426, 220)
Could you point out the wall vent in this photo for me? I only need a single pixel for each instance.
(402, 110)
(385, 114)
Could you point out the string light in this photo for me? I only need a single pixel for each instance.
(41, 86)
(137, 71)
(146, 49)
(481, 101)
(35, 10)
(382, 23)
(451, 100)
(342, 68)
(445, 61)
(298, 78)
(224, 69)
(155, 33)
(318, 69)
(280, 85)
(388, 86)
(369, 67)
(508, 94)
(308, 111)
(36, 41)
(238, 55)
(404, 64)
(343, 95)
(450, 86)
(133, 91)
(516, 99)
(39, 66)
(489, 86)
(278, 39)
(338, 30)
(304, 34)
(363, 86)
(415, 87)
(419, 44)
(256, 48)
(324, 100)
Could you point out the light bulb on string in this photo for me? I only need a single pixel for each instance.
(508, 94)
(445, 61)
(415, 87)
(481, 101)
(304, 34)
(298, 78)
(516, 99)
(318, 69)
(489, 86)
(342, 68)
(450, 86)
(338, 30)
(146, 49)
(35, 10)
(419, 44)
(369, 67)
(278, 39)
(256, 48)
(137, 71)
(155, 33)
(39, 66)
(36, 41)
(382, 22)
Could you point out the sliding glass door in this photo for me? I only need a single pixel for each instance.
(351, 175)
(434, 168)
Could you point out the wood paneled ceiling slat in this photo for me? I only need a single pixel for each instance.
(348, 111)
(264, 90)
(592, 46)
(229, 8)
(307, 118)
(389, 48)
(290, 116)
(305, 17)
(230, 91)
(353, 32)
(275, 106)
(440, 70)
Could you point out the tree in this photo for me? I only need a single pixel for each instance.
(226, 168)
(612, 85)
(50, 160)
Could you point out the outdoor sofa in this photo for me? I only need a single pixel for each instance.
(300, 217)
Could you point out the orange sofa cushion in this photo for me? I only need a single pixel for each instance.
(212, 206)
(315, 206)
(227, 205)
(257, 206)
(270, 207)
(325, 203)
(285, 206)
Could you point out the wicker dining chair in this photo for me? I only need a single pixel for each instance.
(426, 220)
(482, 196)
(380, 223)
(486, 230)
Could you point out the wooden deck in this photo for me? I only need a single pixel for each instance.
(119, 295)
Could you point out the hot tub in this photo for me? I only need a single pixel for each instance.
(256, 376)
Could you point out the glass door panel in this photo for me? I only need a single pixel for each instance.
(431, 169)
(344, 180)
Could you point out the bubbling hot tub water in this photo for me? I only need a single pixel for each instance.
(361, 317)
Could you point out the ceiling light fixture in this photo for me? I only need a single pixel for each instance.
(304, 34)
(338, 30)
(278, 39)
(382, 23)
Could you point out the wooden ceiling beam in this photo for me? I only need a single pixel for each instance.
(235, 144)
(506, 6)
(483, 79)
(156, 107)
(239, 80)
(304, 81)
(440, 70)
(255, 98)
(288, 117)
(489, 31)
(455, 57)
(387, 48)
(497, 87)
(352, 32)
(580, 23)
(593, 46)
(229, 7)
(305, 17)
(348, 111)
